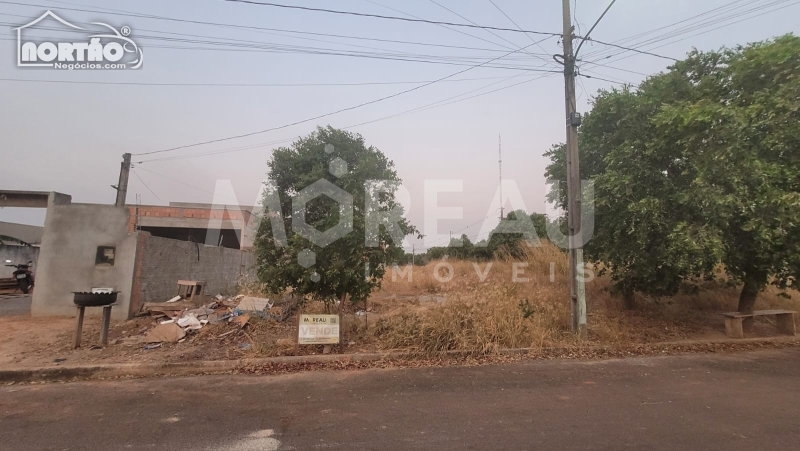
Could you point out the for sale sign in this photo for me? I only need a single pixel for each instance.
(318, 330)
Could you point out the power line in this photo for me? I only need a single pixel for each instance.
(455, 30)
(331, 113)
(630, 49)
(645, 33)
(593, 27)
(411, 60)
(378, 16)
(263, 29)
(733, 11)
(603, 79)
(546, 61)
(730, 13)
(515, 24)
(218, 152)
(129, 14)
(145, 185)
(441, 103)
(245, 85)
(451, 100)
(707, 31)
(241, 43)
(280, 48)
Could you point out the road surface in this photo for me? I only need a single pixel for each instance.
(747, 401)
(15, 304)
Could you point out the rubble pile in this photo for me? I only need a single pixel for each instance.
(178, 319)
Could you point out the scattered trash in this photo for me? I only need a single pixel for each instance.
(241, 320)
(361, 313)
(244, 346)
(189, 322)
(219, 297)
(251, 304)
(175, 299)
(167, 321)
(164, 308)
(151, 347)
(169, 333)
(216, 318)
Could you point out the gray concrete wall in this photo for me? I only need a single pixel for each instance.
(67, 258)
(161, 262)
(17, 254)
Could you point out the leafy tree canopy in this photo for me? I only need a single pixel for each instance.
(352, 265)
(698, 166)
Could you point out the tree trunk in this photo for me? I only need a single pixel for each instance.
(747, 298)
(629, 299)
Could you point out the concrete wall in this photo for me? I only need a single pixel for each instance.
(17, 254)
(68, 253)
(161, 262)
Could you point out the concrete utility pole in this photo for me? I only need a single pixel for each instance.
(577, 288)
(122, 187)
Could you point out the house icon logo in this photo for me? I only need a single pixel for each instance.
(106, 48)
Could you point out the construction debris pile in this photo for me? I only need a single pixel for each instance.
(178, 318)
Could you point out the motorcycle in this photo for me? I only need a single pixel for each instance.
(23, 275)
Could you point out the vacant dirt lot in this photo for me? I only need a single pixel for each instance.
(480, 309)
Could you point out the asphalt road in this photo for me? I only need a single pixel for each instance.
(747, 401)
(15, 304)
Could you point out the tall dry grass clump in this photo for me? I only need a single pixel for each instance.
(483, 307)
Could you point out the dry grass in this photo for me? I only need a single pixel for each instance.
(482, 316)
(488, 306)
(517, 304)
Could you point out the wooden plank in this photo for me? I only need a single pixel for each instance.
(757, 313)
(106, 322)
(78, 328)
(773, 312)
(191, 283)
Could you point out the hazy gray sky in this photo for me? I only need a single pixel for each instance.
(70, 137)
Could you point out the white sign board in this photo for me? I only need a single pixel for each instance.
(318, 330)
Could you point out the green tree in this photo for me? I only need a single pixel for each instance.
(744, 135)
(697, 166)
(507, 240)
(334, 270)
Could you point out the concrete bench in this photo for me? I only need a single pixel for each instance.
(734, 321)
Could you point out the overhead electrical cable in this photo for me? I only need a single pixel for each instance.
(330, 113)
(379, 16)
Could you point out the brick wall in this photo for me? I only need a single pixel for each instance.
(161, 262)
(180, 212)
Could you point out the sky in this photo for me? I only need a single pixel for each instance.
(69, 137)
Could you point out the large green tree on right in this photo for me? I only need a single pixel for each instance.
(698, 166)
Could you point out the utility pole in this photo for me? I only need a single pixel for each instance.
(122, 187)
(577, 288)
(500, 165)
